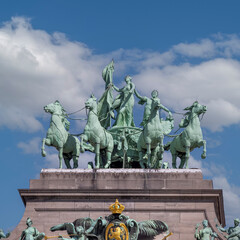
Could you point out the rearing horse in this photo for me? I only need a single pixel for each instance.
(96, 135)
(190, 138)
(58, 136)
(152, 135)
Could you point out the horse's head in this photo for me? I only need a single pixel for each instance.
(91, 103)
(196, 108)
(54, 108)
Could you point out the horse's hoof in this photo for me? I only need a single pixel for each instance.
(44, 154)
(203, 156)
(97, 166)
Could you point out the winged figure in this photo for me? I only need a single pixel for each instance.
(151, 228)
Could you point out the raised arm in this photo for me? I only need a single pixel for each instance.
(213, 234)
(220, 228)
(116, 88)
(166, 109)
(196, 235)
(138, 95)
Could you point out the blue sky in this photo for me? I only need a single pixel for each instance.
(52, 50)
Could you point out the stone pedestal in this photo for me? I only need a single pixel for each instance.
(181, 198)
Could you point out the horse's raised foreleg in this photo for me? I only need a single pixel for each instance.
(203, 143)
(60, 156)
(46, 141)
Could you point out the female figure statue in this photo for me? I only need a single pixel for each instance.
(205, 233)
(31, 233)
(123, 104)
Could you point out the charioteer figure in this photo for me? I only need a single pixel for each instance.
(148, 105)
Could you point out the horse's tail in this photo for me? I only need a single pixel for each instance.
(167, 146)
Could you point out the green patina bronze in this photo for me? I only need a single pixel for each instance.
(113, 227)
(59, 137)
(190, 138)
(96, 135)
(124, 103)
(233, 233)
(31, 233)
(105, 103)
(153, 132)
(205, 233)
(121, 144)
(3, 235)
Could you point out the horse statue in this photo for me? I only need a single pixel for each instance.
(96, 135)
(59, 137)
(152, 135)
(190, 138)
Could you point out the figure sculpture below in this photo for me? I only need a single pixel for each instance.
(115, 226)
(31, 233)
(205, 233)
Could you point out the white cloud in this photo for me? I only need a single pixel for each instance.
(37, 68)
(31, 147)
(214, 83)
(51, 161)
(204, 49)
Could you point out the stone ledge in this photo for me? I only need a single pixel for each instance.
(121, 170)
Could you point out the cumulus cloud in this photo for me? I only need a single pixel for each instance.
(215, 83)
(37, 68)
(204, 49)
(30, 147)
